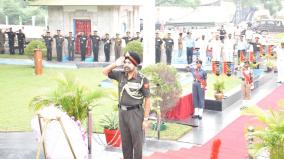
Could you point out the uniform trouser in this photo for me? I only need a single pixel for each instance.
(2, 49)
(96, 53)
(21, 49)
(198, 95)
(246, 90)
(169, 55)
(189, 53)
(256, 56)
(107, 54)
(49, 53)
(117, 51)
(59, 53)
(83, 53)
(130, 124)
(11, 48)
(71, 53)
(158, 54)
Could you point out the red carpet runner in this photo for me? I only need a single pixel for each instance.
(233, 144)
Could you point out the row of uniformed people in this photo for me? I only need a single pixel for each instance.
(11, 41)
(83, 40)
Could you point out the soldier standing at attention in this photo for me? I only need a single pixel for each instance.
(21, 41)
(127, 38)
(2, 42)
(11, 38)
(117, 46)
(48, 43)
(96, 43)
(169, 44)
(107, 44)
(83, 45)
(59, 39)
(71, 40)
(198, 88)
(158, 43)
(134, 91)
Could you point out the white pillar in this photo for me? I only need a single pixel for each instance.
(33, 20)
(46, 21)
(20, 20)
(7, 20)
(149, 33)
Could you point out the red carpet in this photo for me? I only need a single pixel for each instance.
(233, 144)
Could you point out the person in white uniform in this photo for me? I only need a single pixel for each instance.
(280, 62)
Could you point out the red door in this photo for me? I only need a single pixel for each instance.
(83, 26)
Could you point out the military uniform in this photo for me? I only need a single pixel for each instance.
(107, 44)
(21, 42)
(198, 90)
(96, 43)
(48, 43)
(131, 112)
(117, 47)
(2, 42)
(11, 38)
(169, 43)
(71, 42)
(158, 43)
(59, 39)
(127, 39)
(83, 46)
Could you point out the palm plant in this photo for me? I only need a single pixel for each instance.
(269, 136)
(110, 121)
(71, 96)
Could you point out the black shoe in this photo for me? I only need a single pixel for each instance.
(199, 117)
(279, 82)
(194, 116)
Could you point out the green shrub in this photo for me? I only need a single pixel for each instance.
(165, 87)
(135, 46)
(29, 50)
(219, 85)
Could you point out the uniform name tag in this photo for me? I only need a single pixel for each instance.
(133, 85)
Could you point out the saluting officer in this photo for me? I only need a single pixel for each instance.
(107, 44)
(11, 38)
(198, 88)
(71, 41)
(158, 43)
(117, 46)
(127, 38)
(83, 45)
(96, 43)
(21, 41)
(169, 43)
(59, 39)
(2, 42)
(48, 43)
(134, 91)
(137, 37)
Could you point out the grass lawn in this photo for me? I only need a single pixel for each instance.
(19, 85)
(16, 56)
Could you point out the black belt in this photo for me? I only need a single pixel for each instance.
(124, 107)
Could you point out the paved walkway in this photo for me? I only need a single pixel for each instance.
(22, 145)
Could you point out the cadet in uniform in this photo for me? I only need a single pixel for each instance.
(158, 43)
(83, 45)
(198, 88)
(127, 38)
(137, 37)
(71, 42)
(59, 39)
(21, 41)
(117, 46)
(2, 42)
(133, 89)
(107, 44)
(169, 43)
(48, 43)
(96, 43)
(11, 38)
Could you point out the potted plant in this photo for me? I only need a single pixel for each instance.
(219, 87)
(268, 136)
(111, 131)
(269, 65)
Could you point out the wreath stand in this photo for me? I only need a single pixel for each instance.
(43, 131)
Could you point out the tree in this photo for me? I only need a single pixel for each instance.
(183, 3)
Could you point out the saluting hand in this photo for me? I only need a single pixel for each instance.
(120, 61)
